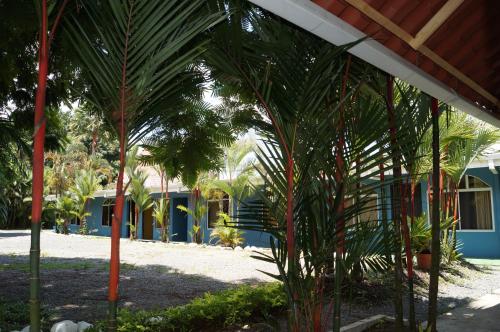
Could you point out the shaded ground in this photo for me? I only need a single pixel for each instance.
(156, 275)
(153, 275)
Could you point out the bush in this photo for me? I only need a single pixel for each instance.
(16, 315)
(212, 312)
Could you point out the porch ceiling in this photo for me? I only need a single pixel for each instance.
(447, 48)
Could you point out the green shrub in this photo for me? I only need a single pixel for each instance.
(211, 312)
(16, 315)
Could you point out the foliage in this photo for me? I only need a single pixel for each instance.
(198, 213)
(420, 234)
(15, 315)
(65, 207)
(86, 184)
(238, 178)
(190, 141)
(212, 312)
(224, 235)
(161, 211)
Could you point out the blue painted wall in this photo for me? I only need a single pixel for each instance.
(478, 243)
(94, 222)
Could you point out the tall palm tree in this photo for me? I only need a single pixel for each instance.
(138, 66)
(38, 149)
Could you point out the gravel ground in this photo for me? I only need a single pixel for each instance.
(153, 275)
(157, 275)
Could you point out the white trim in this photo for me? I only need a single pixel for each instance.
(107, 203)
(315, 19)
(492, 230)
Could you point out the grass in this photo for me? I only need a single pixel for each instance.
(59, 265)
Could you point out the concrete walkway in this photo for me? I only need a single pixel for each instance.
(479, 316)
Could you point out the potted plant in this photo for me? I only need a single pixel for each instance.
(420, 233)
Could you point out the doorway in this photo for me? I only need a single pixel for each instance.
(147, 224)
(179, 220)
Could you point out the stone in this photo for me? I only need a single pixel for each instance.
(64, 326)
(83, 326)
(155, 320)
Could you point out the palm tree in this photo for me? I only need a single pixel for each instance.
(238, 173)
(86, 184)
(161, 214)
(139, 65)
(38, 149)
(65, 207)
(140, 195)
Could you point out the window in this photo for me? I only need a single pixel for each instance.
(475, 204)
(108, 212)
(75, 221)
(367, 212)
(214, 207)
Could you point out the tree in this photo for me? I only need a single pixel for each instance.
(161, 214)
(238, 173)
(86, 184)
(197, 213)
(65, 207)
(140, 195)
(136, 70)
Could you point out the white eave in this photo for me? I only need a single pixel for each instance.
(313, 18)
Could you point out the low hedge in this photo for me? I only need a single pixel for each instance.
(211, 312)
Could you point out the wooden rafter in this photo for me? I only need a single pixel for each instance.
(395, 29)
(435, 22)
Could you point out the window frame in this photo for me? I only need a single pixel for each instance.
(227, 198)
(107, 203)
(459, 229)
(467, 189)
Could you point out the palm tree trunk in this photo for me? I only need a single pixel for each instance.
(455, 217)
(409, 259)
(385, 226)
(114, 264)
(340, 225)
(396, 208)
(435, 246)
(37, 190)
(136, 229)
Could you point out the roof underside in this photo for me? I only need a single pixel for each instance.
(455, 41)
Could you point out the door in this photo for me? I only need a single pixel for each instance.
(179, 220)
(147, 224)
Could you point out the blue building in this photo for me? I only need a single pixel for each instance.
(478, 230)
(101, 209)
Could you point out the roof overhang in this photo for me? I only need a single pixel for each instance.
(319, 21)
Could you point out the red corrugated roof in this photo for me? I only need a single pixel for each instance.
(469, 39)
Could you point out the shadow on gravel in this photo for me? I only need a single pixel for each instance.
(76, 289)
(4, 235)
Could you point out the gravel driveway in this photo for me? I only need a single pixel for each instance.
(74, 272)
(157, 275)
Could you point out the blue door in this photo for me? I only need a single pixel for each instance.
(179, 220)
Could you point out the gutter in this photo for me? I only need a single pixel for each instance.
(315, 19)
